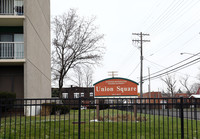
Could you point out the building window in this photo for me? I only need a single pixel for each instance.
(76, 95)
(91, 94)
(65, 95)
(82, 94)
(11, 46)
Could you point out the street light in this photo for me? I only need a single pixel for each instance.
(190, 53)
(197, 54)
(187, 53)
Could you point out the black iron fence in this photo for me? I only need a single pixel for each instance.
(156, 118)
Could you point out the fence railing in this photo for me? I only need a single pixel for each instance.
(11, 7)
(100, 118)
(11, 50)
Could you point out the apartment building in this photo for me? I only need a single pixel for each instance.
(25, 48)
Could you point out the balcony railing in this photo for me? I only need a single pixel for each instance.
(11, 7)
(11, 50)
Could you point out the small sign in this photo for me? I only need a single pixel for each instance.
(116, 88)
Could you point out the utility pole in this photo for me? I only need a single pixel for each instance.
(112, 73)
(141, 57)
(149, 83)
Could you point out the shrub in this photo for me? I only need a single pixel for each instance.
(55, 93)
(46, 109)
(74, 107)
(7, 95)
(103, 106)
(6, 101)
(91, 107)
(53, 108)
(62, 109)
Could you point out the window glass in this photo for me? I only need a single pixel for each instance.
(18, 37)
(91, 94)
(65, 95)
(6, 37)
(76, 95)
(19, 8)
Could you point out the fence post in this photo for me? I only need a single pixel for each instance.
(79, 117)
(135, 110)
(0, 112)
(97, 109)
(195, 109)
(182, 118)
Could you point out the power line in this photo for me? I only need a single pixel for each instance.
(175, 69)
(183, 11)
(154, 63)
(176, 37)
(155, 77)
(169, 16)
(150, 13)
(165, 67)
(175, 64)
(179, 14)
(155, 22)
(181, 46)
(179, 10)
(125, 60)
(134, 70)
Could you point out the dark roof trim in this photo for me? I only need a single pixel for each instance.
(115, 78)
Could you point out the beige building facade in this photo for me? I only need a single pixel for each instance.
(25, 48)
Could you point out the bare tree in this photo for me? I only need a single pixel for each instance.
(171, 84)
(77, 77)
(195, 87)
(82, 77)
(76, 42)
(184, 83)
(88, 77)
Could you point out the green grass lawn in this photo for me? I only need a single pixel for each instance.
(114, 124)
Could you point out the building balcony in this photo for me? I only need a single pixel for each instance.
(12, 7)
(11, 53)
(11, 12)
(11, 50)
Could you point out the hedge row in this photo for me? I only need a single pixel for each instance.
(9, 95)
(52, 108)
(6, 101)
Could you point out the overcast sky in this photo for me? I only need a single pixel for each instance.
(173, 26)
